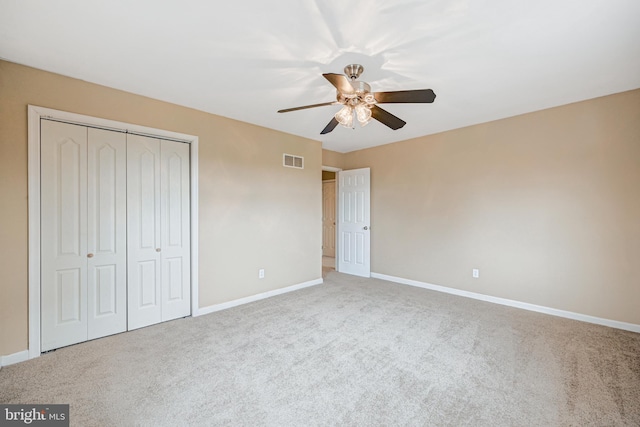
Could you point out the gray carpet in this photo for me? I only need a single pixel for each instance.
(352, 351)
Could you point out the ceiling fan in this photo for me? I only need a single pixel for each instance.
(356, 97)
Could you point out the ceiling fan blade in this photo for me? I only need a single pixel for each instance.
(405, 96)
(286, 110)
(341, 82)
(331, 126)
(386, 118)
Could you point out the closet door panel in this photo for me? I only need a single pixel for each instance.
(107, 232)
(175, 230)
(63, 236)
(143, 231)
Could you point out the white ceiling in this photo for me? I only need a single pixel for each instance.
(246, 59)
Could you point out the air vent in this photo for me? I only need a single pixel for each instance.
(292, 161)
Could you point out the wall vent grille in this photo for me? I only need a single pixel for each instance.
(291, 161)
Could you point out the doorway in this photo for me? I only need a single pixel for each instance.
(329, 231)
(346, 221)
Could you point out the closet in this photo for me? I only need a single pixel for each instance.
(115, 232)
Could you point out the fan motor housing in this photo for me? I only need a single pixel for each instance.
(361, 90)
(360, 87)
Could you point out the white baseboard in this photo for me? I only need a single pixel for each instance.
(511, 303)
(257, 297)
(10, 359)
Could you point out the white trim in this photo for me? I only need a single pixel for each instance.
(33, 199)
(48, 113)
(194, 226)
(257, 297)
(18, 357)
(36, 113)
(511, 303)
(330, 169)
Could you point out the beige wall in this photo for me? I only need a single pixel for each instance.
(254, 213)
(546, 205)
(332, 158)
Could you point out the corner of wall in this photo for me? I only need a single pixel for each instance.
(333, 159)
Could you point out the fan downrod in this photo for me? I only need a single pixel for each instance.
(353, 71)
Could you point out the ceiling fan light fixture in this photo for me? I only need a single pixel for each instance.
(363, 113)
(357, 100)
(345, 116)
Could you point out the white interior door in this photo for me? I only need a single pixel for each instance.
(64, 234)
(107, 233)
(158, 218)
(329, 218)
(175, 231)
(354, 256)
(143, 231)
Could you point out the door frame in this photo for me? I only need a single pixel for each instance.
(35, 114)
(337, 171)
(334, 182)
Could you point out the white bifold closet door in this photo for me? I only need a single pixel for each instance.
(83, 237)
(158, 242)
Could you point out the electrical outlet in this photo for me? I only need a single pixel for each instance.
(476, 273)
(261, 273)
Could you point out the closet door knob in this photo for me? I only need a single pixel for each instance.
(157, 249)
(89, 255)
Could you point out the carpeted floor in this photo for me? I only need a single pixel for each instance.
(352, 351)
